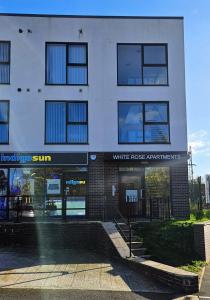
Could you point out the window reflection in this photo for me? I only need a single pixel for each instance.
(157, 182)
(155, 75)
(129, 65)
(3, 182)
(143, 122)
(156, 133)
(40, 192)
(130, 123)
(141, 64)
(155, 54)
(156, 112)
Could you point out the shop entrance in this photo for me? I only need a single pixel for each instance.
(132, 192)
(43, 193)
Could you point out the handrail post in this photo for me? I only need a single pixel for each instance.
(130, 239)
(150, 200)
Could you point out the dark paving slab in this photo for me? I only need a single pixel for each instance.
(21, 294)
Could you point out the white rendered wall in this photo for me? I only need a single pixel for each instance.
(27, 109)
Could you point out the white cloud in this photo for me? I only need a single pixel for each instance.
(200, 142)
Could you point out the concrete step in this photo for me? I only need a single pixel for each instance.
(122, 226)
(134, 238)
(135, 245)
(139, 251)
(146, 256)
(127, 232)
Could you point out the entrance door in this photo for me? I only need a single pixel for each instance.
(132, 194)
(75, 186)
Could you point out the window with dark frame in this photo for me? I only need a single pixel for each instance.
(66, 122)
(143, 122)
(142, 64)
(4, 62)
(4, 122)
(66, 64)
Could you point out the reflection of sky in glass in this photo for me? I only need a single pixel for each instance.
(130, 122)
(129, 64)
(3, 111)
(156, 112)
(154, 54)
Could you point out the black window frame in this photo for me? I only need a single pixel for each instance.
(67, 122)
(8, 62)
(142, 45)
(67, 44)
(146, 123)
(6, 122)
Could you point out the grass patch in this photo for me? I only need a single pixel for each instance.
(196, 266)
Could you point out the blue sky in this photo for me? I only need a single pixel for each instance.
(197, 51)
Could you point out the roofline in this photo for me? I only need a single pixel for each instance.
(91, 16)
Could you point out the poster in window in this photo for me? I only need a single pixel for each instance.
(131, 195)
(27, 187)
(53, 186)
(3, 182)
(21, 182)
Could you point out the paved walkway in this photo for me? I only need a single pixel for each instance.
(205, 285)
(69, 269)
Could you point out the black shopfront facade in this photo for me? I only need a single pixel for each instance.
(150, 184)
(43, 185)
(93, 185)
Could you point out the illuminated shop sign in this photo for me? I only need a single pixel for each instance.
(142, 156)
(75, 182)
(44, 158)
(25, 158)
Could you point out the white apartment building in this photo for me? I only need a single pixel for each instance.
(92, 116)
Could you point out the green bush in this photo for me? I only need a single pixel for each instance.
(208, 214)
(170, 242)
(200, 215)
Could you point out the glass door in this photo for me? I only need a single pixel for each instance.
(132, 195)
(75, 186)
(54, 194)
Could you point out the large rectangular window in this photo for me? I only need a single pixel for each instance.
(4, 62)
(142, 64)
(66, 64)
(4, 122)
(66, 122)
(143, 122)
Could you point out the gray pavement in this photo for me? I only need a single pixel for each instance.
(75, 274)
(205, 285)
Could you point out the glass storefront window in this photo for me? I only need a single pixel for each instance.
(53, 201)
(53, 207)
(3, 182)
(75, 194)
(75, 206)
(157, 182)
(27, 185)
(157, 186)
(3, 206)
(41, 192)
